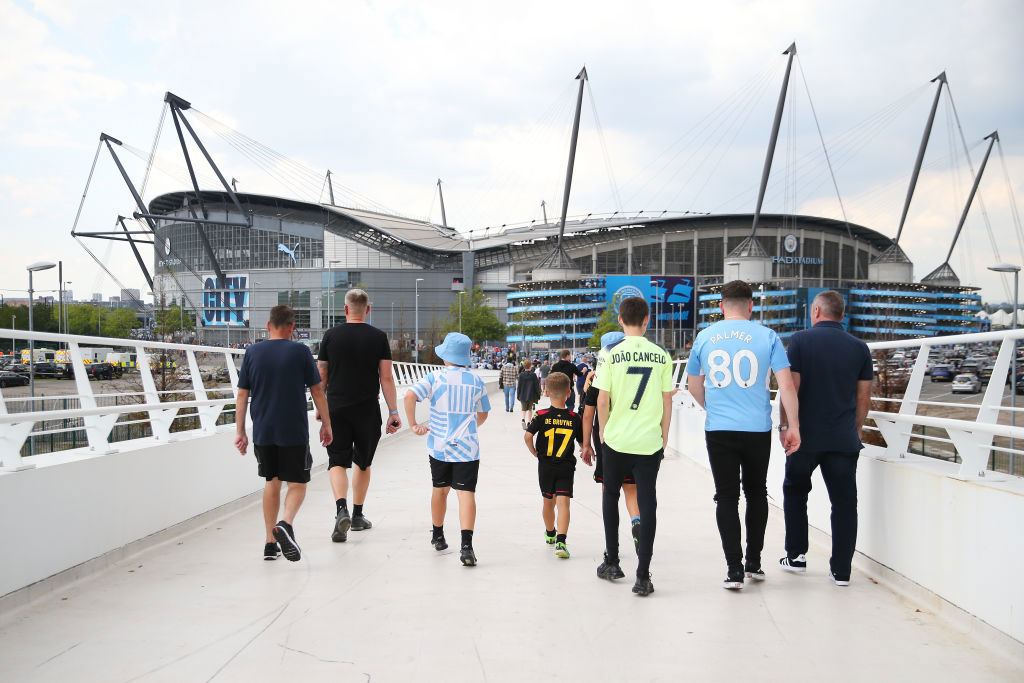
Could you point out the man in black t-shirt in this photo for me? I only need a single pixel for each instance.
(355, 359)
(555, 429)
(276, 374)
(568, 368)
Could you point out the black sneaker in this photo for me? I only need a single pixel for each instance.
(271, 551)
(360, 523)
(636, 536)
(609, 570)
(285, 536)
(643, 586)
(839, 580)
(734, 580)
(755, 573)
(342, 523)
(439, 543)
(467, 556)
(797, 565)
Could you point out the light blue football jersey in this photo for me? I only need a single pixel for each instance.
(735, 357)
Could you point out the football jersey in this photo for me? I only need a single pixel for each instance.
(636, 373)
(735, 357)
(556, 430)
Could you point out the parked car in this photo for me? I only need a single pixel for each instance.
(51, 370)
(966, 383)
(942, 373)
(12, 379)
(986, 374)
(222, 375)
(101, 371)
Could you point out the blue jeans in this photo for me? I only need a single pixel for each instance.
(839, 470)
(510, 397)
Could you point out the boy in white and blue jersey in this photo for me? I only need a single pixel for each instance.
(458, 406)
(728, 373)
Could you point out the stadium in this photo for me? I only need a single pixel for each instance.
(272, 250)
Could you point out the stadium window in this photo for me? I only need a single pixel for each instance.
(679, 257)
(612, 262)
(710, 258)
(848, 265)
(831, 258)
(647, 259)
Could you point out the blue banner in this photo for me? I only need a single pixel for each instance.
(669, 296)
(226, 306)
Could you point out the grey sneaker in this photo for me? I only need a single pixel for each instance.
(361, 523)
(342, 523)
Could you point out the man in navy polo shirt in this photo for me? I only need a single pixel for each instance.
(832, 372)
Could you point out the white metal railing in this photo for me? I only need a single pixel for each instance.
(973, 440)
(23, 420)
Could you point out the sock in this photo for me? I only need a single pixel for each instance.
(438, 532)
(467, 538)
(357, 510)
(549, 532)
(634, 520)
(560, 539)
(340, 504)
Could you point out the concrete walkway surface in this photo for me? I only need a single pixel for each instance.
(386, 607)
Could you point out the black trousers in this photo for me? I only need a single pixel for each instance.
(740, 457)
(839, 470)
(644, 470)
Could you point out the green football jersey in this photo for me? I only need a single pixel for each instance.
(635, 373)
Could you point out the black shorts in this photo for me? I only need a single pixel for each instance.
(461, 476)
(599, 468)
(555, 480)
(287, 463)
(528, 405)
(356, 430)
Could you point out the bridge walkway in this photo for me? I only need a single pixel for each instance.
(386, 607)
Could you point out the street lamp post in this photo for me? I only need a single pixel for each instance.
(416, 333)
(39, 265)
(1010, 268)
(67, 317)
(761, 288)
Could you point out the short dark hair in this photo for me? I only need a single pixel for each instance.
(831, 304)
(558, 385)
(281, 316)
(565, 353)
(737, 291)
(633, 310)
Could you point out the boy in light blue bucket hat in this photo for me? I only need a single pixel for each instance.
(458, 406)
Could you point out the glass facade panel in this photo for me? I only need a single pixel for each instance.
(710, 258)
(647, 259)
(862, 264)
(612, 262)
(679, 257)
(811, 249)
(831, 259)
(848, 264)
(585, 264)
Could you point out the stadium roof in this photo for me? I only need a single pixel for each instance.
(400, 235)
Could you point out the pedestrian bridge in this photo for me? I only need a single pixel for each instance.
(140, 559)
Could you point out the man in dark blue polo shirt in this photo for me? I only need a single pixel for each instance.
(832, 372)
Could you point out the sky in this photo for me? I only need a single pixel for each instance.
(392, 96)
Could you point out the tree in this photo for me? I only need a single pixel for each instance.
(171, 321)
(479, 322)
(608, 322)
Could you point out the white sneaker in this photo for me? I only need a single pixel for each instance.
(838, 581)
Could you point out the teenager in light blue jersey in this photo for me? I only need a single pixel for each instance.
(729, 370)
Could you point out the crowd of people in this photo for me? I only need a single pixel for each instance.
(620, 427)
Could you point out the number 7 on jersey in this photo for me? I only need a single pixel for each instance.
(645, 376)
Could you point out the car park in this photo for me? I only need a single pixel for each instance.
(966, 383)
(49, 370)
(12, 379)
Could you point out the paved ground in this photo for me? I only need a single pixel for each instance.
(386, 607)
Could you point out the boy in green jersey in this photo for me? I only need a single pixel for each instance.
(634, 409)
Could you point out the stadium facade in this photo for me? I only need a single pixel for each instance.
(307, 254)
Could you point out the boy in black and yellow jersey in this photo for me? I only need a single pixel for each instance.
(555, 429)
